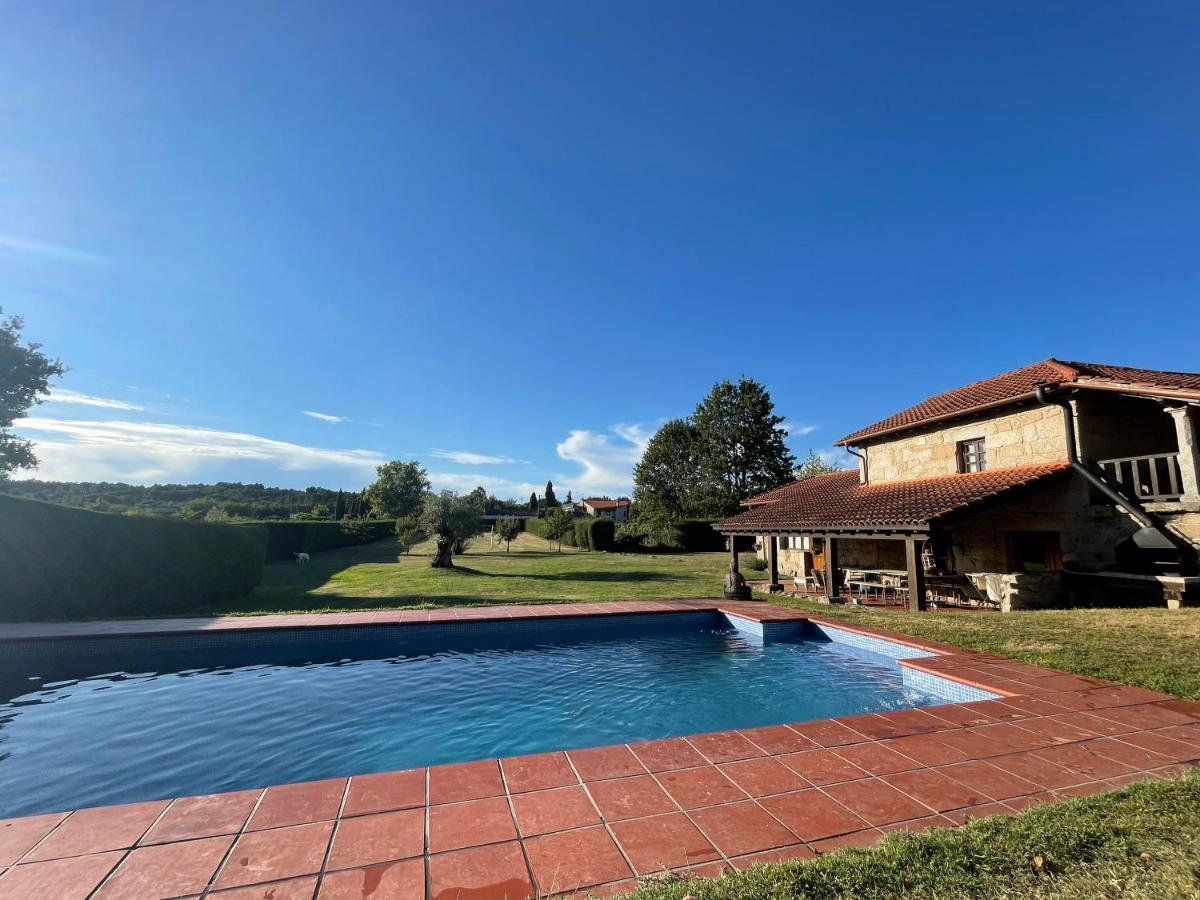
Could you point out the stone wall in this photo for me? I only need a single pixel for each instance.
(1020, 437)
(1042, 590)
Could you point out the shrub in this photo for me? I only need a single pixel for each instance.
(66, 563)
(538, 527)
(571, 538)
(287, 538)
(579, 534)
(408, 532)
(601, 534)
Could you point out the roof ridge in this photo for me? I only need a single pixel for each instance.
(1070, 370)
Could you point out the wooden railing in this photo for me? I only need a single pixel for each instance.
(1154, 477)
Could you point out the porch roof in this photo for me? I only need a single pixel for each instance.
(838, 502)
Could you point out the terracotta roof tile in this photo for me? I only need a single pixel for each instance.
(1019, 384)
(837, 500)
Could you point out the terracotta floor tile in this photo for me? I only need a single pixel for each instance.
(211, 815)
(877, 802)
(598, 763)
(933, 789)
(275, 855)
(379, 838)
(1176, 751)
(1146, 715)
(812, 815)
(972, 744)
(393, 881)
(60, 879)
(916, 826)
(827, 733)
(570, 860)
(925, 749)
(1034, 769)
(291, 889)
(663, 842)
(779, 854)
(1189, 708)
(18, 836)
(166, 870)
(465, 781)
(705, 786)
(740, 828)
(776, 739)
(630, 798)
(763, 777)
(876, 759)
(664, 755)
(723, 746)
(1056, 730)
(989, 782)
(1017, 804)
(1128, 754)
(821, 766)
(1037, 706)
(538, 772)
(962, 715)
(859, 840)
(558, 809)
(470, 824)
(97, 830)
(298, 804)
(384, 792)
(1014, 737)
(1089, 724)
(1083, 760)
(1189, 734)
(873, 726)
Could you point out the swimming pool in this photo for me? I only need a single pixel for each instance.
(93, 722)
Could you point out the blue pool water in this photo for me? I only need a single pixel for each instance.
(139, 719)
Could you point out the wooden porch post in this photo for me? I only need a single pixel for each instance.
(916, 575)
(773, 561)
(831, 569)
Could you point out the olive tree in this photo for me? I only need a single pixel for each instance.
(508, 530)
(452, 520)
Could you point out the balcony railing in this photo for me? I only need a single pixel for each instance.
(1152, 478)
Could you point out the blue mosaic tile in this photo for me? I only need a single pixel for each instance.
(952, 691)
(881, 646)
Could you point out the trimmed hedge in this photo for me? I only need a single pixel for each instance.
(287, 538)
(58, 562)
(538, 527)
(698, 536)
(588, 534)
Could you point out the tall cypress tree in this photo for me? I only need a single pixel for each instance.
(551, 500)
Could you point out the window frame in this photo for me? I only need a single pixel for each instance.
(971, 455)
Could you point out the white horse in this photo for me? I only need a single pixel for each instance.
(301, 557)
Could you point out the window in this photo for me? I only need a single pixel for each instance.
(795, 542)
(1035, 551)
(971, 456)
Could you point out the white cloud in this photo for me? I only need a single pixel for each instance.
(49, 250)
(463, 482)
(324, 417)
(143, 451)
(796, 429)
(607, 459)
(467, 458)
(62, 395)
(838, 457)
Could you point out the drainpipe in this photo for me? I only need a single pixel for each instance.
(1152, 534)
(863, 476)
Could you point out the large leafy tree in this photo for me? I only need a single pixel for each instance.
(813, 465)
(667, 485)
(451, 519)
(740, 444)
(25, 373)
(398, 491)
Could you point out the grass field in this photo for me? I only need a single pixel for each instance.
(374, 576)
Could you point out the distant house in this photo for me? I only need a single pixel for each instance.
(519, 513)
(617, 510)
(1059, 483)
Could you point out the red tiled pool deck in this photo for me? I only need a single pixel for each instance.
(591, 821)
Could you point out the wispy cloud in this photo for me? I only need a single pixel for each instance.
(63, 395)
(607, 459)
(72, 450)
(797, 429)
(467, 458)
(463, 482)
(50, 250)
(324, 417)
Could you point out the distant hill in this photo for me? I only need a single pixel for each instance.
(186, 501)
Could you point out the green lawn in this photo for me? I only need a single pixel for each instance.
(375, 576)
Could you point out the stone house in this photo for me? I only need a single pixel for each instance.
(1059, 483)
(617, 510)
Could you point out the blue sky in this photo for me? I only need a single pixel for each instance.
(510, 239)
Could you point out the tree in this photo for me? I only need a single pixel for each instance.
(741, 447)
(451, 519)
(570, 502)
(398, 491)
(508, 530)
(339, 507)
(666, 483)
(25, 374)
(813, 465)
(408, 533)
(551, 500)
(533, 504)
(558, 523)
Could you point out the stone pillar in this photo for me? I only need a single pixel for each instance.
(733, 560)
(831, 569)
(1188, 436)
(773, 563)
(916, 574)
